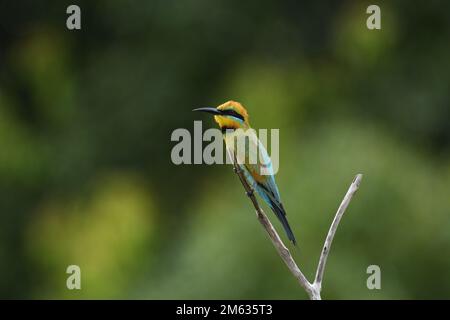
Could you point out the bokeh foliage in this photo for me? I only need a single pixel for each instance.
(85, 124)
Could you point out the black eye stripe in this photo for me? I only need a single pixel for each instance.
(233, 114)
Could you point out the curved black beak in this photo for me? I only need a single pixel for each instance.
(209, 110)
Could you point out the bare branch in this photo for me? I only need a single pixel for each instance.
(285, 254)
(274, 237)
(329, 239)
(312, 289)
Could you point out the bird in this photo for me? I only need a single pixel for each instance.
(232, 116)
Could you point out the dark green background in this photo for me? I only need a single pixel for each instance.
(86, 118)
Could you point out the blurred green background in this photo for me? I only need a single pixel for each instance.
(86, 118)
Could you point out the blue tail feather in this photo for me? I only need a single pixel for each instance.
(281, 215)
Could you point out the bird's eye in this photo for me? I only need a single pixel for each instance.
(233, 114)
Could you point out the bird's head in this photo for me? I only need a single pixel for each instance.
(230, 115)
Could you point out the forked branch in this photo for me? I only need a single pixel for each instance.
(312, 289)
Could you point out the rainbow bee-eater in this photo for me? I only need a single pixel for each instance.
(232, 116)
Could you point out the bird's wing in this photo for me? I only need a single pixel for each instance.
(263, 181)
(259, 168)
